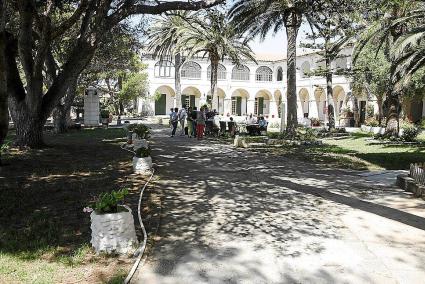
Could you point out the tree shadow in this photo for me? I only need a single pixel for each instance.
(233, 215)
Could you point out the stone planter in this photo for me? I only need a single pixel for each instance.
(113, 232)
(142, 165)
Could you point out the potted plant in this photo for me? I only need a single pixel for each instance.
(104, 115)
(112, 225)
(140, 134)
(142, 161)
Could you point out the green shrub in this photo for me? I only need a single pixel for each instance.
(104, 113)
(371, 121)
(5, 147)
(410, 132)
(142, 131)
(422, 123)
(143, 152)
(108, 202)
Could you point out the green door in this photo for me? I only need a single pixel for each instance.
(161, 105)
(260, 106)
(184, 100)
(239, 106)
(192, 101)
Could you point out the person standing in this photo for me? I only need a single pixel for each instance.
(194, 115)
(174, 119)
(182, 118)
(189, 123)
(200, 123)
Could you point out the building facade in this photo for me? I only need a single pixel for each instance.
(251, 88)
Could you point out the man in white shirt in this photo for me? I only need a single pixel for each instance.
(182, 118)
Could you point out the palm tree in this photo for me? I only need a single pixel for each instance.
(162, 39)
(258, 17)
(210, 35)
(389, 33)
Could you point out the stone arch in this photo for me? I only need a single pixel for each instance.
(263, 74)
(262, 103)
(279, 75)
(221, 72)
(240, 73)
(239, 102)
(220, 100)
(164, 99)
(164, 69)
(278, 98)
(339, 98)
(320, 98)
(191, 70)
(191, 97)
(305, 101)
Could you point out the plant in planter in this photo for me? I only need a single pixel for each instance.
(104, 115)
(112, 224)
(315, 121)
(141, 133)
(142, 161)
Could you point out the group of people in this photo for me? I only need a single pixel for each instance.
(192, 121)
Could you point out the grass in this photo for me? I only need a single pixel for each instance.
(44, 234)
(357, 152)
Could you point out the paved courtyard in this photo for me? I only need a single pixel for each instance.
(234, 216)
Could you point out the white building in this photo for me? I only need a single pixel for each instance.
(250, 88)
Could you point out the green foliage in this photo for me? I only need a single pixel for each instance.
(371, 121)
(422, 123)
(143, 152)
(301, 134)
(142, 131)
(371, 70)
(5, 147)
(104, 113)
(134, 85)
(410, 132)
(108, 202)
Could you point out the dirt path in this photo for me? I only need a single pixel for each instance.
(233, 216)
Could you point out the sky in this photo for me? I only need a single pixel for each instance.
(275, 44)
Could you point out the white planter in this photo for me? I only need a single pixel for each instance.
(114, 232)
(142, 165)
(374, 130)
(140, 143)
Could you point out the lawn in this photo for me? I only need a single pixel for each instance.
(44, 234)
(357, 152)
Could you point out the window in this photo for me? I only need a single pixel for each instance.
(164, 69)
(191, 70)
(234, 101)
(240, 73)
(264, 74)
(280, 74)
(221, 72)
(305, 69)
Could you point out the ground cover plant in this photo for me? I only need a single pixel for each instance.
(44, 233)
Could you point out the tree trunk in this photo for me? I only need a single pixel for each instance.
(177, 80)
(62, 112)
(329, 94)
(214, 74)
(393, 106)
(380, 110)
(4, 112)
(292, 24)
(356, 113)
(29, 125)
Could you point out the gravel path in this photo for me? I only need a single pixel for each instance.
(234, 216)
